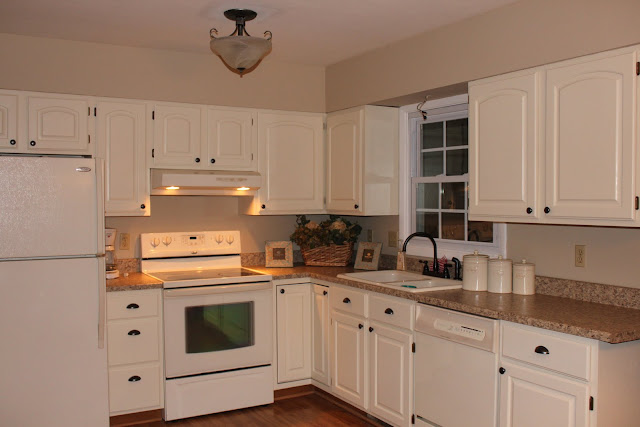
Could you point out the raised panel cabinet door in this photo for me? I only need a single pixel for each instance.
(348, 364)
(390, 374)
(121, 137)
(503, 147)
(177, 137)
(293, 319)
(320, 331)
(532, 398)
(590, 147)
(344, 161)
(291, 162)
(8, 122)
(58, 125)
(232, 140)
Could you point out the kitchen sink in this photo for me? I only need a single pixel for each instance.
(403, 280)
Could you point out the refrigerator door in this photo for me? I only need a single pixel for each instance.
(48, 207)
(52, 371)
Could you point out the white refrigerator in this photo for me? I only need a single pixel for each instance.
(53, 360)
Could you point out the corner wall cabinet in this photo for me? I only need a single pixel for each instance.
(293, 320)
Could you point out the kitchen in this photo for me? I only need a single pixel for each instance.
(97, 69)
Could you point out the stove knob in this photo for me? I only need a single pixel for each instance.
(155, 242)
(167, 240)
(219, 238)
(194, 252)
(230, 239)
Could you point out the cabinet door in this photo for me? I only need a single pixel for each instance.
(348, 358)
(58, 125)
(532, 398)
(590, 155)
(121, 136)
(177, 136)
(320, 331)
(291, 162)
(390, 375)
(293, 306)
(344, 163)
(232, 141)
(8, 122)
(504, 130)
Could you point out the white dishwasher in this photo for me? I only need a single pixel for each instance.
(456, 369)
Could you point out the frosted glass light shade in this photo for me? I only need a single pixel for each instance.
(240, 52)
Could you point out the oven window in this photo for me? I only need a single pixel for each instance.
(219, 327)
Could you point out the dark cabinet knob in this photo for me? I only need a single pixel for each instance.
(324, 292)
(12, 142)
(546, 209)
(134, 379)
(282, 291)
(142, 206)
(213, 161)
(197, 159)
(502, 371)
(346, 301)
(388, 311)
(360, 326)
(263, 206)
(132, 306)
(32, 143)
(356, 206)
(133, 332)
(529, 211)
(370, 329)
(541, 350)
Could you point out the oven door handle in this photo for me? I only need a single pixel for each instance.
(220, 289)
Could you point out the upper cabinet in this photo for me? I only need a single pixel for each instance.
(232, 141)
(8, 121)
(557, 144)
(177, 136)
(362, 161)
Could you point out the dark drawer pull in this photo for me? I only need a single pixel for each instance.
(541, 350)
(346, 301)
(133, 332)
(134, 379)
(388, 311)
(282, 291)
(32, 143)
(132, 306)
(12, 142)
(370, 329)
(360, 326)
(324, 292)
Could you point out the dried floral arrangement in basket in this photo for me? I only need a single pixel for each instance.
(329, 243)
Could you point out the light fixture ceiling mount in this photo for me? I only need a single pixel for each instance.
(239, 51)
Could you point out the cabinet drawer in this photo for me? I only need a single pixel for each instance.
(348, 300)
(127, 394)
(391, 311)
(565, 353)
(133, 341)
(132, 304)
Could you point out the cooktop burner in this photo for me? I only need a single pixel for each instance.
(213, 274)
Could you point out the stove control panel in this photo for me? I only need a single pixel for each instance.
(198, 243)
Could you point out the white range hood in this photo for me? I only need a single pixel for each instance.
(176, 182)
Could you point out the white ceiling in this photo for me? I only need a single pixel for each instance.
(315, 32)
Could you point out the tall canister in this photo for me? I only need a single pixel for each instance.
(500, 275)
(524, 278)
(474, 272)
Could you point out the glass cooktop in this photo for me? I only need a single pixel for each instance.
(213, 274)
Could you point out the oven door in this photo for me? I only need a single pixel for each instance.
(217, 328)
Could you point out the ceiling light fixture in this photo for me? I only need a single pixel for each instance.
(239, 51)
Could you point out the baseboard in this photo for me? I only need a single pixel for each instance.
(350, 408)
(141, 419)
(288, 393)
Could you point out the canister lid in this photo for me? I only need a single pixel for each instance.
(500, 260)
(524, 265)
(475, 257)
(524, 262)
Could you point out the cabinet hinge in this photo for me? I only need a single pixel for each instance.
(591, 403)
(324, 126)
(637, 203)
(88, 139)
(95, 111)
(153, 152)
(88, 111)
(251, 156)
(637, 68)
(252, 121)
(413, 347)
(413, 418)
(153, 115)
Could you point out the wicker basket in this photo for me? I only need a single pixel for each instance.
(332, 255)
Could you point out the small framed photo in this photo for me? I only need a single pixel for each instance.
(278, 254)
(368, 256)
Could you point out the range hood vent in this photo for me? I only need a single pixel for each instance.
(175, 182)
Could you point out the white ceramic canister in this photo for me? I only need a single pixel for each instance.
(500, 275)
(474, 272)
(524, 278)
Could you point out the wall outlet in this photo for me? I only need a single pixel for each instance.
(393, 239)
(125, 241)
(581, 255)
(369, 235)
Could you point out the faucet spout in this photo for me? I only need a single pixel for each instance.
(435, 251)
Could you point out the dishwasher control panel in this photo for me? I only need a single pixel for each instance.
(459, 329)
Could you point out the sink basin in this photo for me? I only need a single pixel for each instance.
(403, 280)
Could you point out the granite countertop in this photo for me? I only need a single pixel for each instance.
(603, 322)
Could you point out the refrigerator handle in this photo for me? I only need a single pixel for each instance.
(100, 204)
(102, 301)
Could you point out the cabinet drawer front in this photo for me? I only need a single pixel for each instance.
(133, 341)
(127, 394)
(129, 305)
(391, 311)
(348, 300)
(565, 355)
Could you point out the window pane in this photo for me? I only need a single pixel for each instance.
(427, 196)
(432, 135)
(457, 133)
(480, 231)
(432, 164)
(457, 162)
(219, 327)
(453, 226)
(427, 222)
(453, 195)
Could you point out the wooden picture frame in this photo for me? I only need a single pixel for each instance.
(368, 256)
(278, 254)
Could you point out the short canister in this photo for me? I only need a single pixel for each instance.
(524, 278)
(499, 275)
(474, 272)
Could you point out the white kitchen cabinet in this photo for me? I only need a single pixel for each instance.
(232, 139)
(362, 161)
(135, 356)
(320, 334)
(121, 138)
(349, 362)
(177, 136)
(8, 121)
(293, 318)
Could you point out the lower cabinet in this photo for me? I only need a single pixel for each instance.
(348, 360)
(320, 334)
(293, 319)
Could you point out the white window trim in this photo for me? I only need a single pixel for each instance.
(421, 246)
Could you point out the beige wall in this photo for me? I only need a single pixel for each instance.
(521, 35)
(51, 65)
